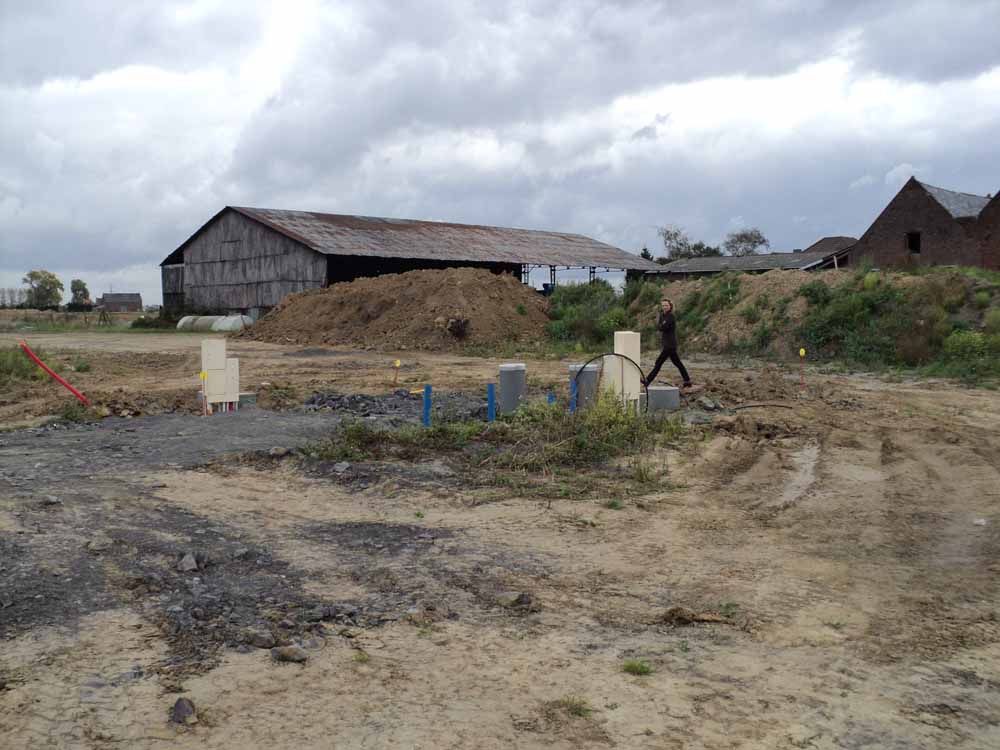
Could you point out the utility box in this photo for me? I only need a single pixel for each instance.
(215, 386)
(513, 383)
(621, 376)
(585, 379)
(213, 354)
(663, 398)
(232, 380)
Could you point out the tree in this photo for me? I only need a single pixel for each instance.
(44, 289)
(81, 295)
(676, 243)
(645, 254)
(745, 242)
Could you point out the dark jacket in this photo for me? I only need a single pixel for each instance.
(667, 326)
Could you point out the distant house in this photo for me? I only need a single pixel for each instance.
(829, 252)
(926, 225)
(119, 303)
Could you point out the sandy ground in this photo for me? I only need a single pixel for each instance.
(842, 546)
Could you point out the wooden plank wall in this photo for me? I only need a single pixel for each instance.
(237, 264)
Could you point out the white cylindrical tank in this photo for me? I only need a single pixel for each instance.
(232, 323)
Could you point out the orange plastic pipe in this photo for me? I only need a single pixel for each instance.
(34, 358)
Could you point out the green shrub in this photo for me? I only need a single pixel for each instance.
(991, 321)
(816, 293)
(81, 365)
(589, 313)
(966, 346)
(637, 667)
(153, 322)
(871, 280)
(521, 309)
(981, 299)
(750, 314)
(640, 294)
(15, 366)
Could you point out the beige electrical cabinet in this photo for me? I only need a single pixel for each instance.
(621, 377)
(232, 380)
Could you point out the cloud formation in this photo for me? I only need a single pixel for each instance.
(123, 129)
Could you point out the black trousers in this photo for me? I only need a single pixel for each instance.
(672, 355)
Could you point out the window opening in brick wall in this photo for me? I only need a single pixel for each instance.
(913, 242)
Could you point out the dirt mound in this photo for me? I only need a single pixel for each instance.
(770, 297)
(416, 310)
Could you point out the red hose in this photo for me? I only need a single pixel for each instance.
(34, 358)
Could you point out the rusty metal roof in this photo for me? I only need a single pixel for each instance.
(374, 237)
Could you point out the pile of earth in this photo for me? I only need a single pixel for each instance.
(439, 309)
(734, 309)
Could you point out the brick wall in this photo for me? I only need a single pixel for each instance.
(943, 240)
(989, 234)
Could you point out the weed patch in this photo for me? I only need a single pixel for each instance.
(637, 667)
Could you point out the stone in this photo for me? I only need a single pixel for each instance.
(183, 712)
(341, 467)
(278, 452)
(511, 599)
(313, 643)
(99, 543)
(439, 469)
(260, 638)
(708, 404)
(293, 654)
(51, 500)
(286, 624)
(187, 564)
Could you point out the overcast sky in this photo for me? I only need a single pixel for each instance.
(124, 126)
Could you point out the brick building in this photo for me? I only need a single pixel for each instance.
(119, 302)
(989, 233)
(928, 226)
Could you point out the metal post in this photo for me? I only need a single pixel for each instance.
(552, 276)
(427, 406)
(491, 402)
(593, 274)
(572, 395)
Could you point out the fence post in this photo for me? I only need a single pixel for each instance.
(427, 406)
(491, 402)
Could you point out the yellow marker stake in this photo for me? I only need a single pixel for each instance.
(395, 376)
(802, 353)
(802, 367)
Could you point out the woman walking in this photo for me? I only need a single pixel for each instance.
(666, 324)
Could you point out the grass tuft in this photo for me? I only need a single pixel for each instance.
(637, 667)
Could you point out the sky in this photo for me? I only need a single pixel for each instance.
(124, 126)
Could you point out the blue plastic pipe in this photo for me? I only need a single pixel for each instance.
(427, 406)
(572, 395)
(491, 402)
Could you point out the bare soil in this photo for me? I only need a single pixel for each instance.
(820, 571)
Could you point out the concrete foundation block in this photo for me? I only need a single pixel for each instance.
(663, 398)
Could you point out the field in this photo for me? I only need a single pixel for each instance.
(785, 566)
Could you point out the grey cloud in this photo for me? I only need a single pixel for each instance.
(44, 39)
(408, 72)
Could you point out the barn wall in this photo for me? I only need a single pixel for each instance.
(238, 265)
(944, 240)
(172, 283)
(989, 234)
